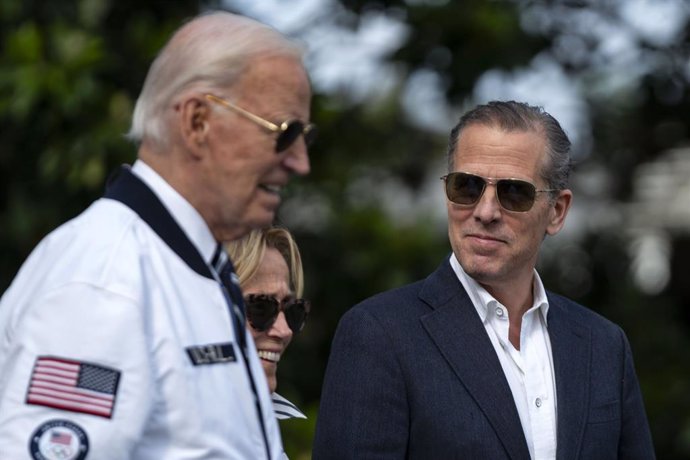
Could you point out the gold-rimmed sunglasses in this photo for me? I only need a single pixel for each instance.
(513, 195)
(288, 131)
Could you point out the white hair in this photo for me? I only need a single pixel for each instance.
(209, 52)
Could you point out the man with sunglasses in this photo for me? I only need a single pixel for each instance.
(479, 361)
(123, 335)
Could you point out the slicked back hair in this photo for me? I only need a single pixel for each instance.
(512, 116)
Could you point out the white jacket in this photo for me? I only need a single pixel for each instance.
(99, 335)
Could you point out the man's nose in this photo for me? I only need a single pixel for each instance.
(297, 158)
(488, 208)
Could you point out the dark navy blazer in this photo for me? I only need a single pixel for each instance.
(413, 374)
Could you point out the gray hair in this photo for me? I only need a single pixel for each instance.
(519, 116)
(210, 52)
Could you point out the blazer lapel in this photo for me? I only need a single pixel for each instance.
(571, 349)
(459, 334)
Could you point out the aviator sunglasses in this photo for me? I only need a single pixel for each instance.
(513, 195)
(288, 131)
(262, 311)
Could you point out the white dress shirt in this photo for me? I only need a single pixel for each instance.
(105, 297)
(529, 371)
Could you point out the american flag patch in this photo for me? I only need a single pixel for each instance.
(60, 438)
(74, 386)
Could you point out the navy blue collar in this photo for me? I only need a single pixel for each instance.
(127, 188)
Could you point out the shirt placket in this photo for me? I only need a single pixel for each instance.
(540, 400)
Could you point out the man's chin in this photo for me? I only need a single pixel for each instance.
(259, 221)
(263, 219)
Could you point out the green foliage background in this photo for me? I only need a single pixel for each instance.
(71, 70)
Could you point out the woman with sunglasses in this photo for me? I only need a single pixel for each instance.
(269, 268)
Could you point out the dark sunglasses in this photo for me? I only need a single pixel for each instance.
(288, 131)
(262, 311)
(513, 195)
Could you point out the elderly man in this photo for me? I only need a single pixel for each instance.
(479, 361)
(122, 336)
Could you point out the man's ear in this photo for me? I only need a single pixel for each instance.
(194, 123)
(558, 210)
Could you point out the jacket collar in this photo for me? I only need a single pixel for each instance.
(455, 326)
(571, 346)
(129, 189)
(457, 331)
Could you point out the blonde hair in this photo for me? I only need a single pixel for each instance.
(247, 252)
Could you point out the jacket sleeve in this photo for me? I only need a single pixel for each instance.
(635, 439)
(363, 411)
(75, 359)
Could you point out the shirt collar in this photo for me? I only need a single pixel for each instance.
(183, 212)
(284, 409)
(482, 300)
(540, 299)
